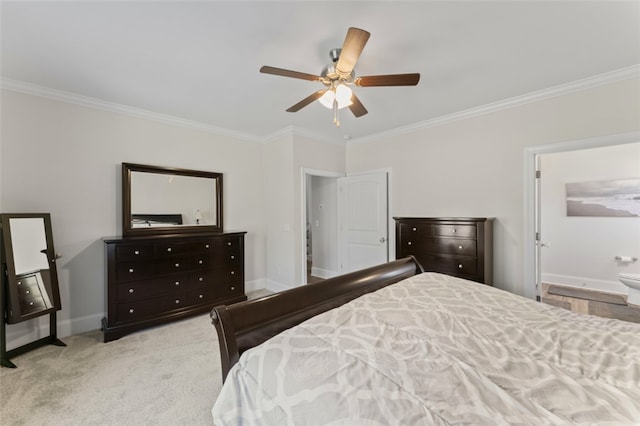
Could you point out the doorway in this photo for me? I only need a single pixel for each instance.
(322, 250)
(533, 240)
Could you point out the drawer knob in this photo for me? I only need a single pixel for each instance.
(130, 311)
(28, 291)
(177, 282)
(200, 262)
(19, 282)
(460, 266)
(200, 296)
(177, 301)
(169, 249)
(233, 288)
(131, 270)
(206, 246)
(233, 272)
(177, 265)
(459, 247)
(200, 279)
(453, 230)
(233, 257)
(30, 303)
(409, 243)
(136, 252)
(414, 229)
(130, 290)
(229, 243)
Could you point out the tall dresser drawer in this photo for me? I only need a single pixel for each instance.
(459, 246)
(454, 230)
(456, 265)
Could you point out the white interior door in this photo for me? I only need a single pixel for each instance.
(363, 221)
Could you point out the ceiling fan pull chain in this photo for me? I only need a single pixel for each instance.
(336, 120)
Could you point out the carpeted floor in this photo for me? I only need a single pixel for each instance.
(168, 375)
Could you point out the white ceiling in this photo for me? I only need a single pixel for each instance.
(199, 61)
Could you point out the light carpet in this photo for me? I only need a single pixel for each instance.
(168, 375)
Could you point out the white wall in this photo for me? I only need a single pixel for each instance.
(278, 212)
(581, 250)
(65, 159)
(475, 167)
(285, 158)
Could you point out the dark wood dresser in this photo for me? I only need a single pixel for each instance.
(157, 279)
(461, 247)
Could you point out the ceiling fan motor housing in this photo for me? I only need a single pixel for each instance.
(329, 74)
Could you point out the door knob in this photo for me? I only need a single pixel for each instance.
(383, 239)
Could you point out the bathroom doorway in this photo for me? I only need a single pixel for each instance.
(548, 168)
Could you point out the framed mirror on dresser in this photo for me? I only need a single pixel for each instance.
(174, 259)
(29, 278)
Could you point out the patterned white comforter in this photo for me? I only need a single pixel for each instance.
(435, 350)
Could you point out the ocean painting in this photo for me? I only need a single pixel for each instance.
(607, 198)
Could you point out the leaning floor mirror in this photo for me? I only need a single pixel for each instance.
(29, 277)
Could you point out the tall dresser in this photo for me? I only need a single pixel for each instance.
(461, 247)
(157, 279)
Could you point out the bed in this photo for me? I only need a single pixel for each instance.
(403, 347)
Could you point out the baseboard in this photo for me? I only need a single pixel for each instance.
(323, 273)
(30, 331)
(255, 285)
(585, 283)
(275, 286)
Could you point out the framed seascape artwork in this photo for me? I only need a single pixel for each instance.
(606, 198)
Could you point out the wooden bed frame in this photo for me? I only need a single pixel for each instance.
(244, 325)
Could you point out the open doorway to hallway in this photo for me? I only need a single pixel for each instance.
(320, 225)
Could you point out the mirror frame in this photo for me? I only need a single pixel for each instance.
(129, 231)
(14, 313)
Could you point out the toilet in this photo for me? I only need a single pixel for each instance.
(633, 282)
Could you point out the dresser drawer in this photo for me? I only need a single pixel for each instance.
(135, 252)
(30, 296)
(449, 264)
(135, 271)
(415, 230)
(454, 230)
(216, 277)
(148, 308)
(207, 293)
(459, 246)
(175, 285)
(171, 248)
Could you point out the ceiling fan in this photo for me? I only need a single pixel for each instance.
(339, 75)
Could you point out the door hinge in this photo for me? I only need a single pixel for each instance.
(538, 173)
(537, 236)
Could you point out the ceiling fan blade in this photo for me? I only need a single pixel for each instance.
(351, 49)
(388, 80)
(306, 101)
(356, 107)
(288, 73)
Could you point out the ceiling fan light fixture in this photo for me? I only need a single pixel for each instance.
(341, 93)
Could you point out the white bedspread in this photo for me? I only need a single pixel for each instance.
(435, 350)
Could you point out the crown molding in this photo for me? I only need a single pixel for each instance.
(537, 96)
(89, 102)
(300, 131)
